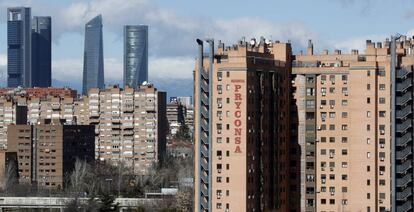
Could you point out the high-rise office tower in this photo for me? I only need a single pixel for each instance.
(343, 103)
(242, 127)
(19, 47)
(93, 64)
(41, 52)
(135, 55)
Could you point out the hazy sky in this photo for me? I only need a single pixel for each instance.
(175, 24)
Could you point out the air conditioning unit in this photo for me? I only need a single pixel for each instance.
(322, 82)
(381, 173)
(321, 107)
(333, 82)
(382, 145)
(332, 106)
(332, 169)
(382, 159)
(345, 82)
(319, 128)
(323, 169)
(219, 171)
(332, 193)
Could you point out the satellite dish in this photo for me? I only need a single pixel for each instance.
(267, 41)
(253, 41)
(144, 83)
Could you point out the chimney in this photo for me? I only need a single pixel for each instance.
(325, 52)
(310, 47)
(337, 52)
(379, 45)
(354, 51)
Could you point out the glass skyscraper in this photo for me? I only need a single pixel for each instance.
(135, 55)
(93, 64)
(18, 47)
(41, 51)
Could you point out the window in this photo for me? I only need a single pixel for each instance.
(331, 189)
(382, 195)
(344, 152)
(219, 103)
(323, 151)
(368, 73)
(227, 166)
(344, 189)
(310, 104)
(344, 127)
(368, 182)
(219, 76)
(368, 127)
(323, 116)
(218, 206)
(382, 156)
(344, 139)
(368, 168)
(382, 129)
(332, 127)
(219, 179)
(344, 77)
(332, 201)
(344, 102)
(344, 177)
(368, 100)
(381, 87)
(331, 114)
(323, 139)
(219, 89)
(227, 87)
(381, 114)
(323, 91)
(332, 78)
(368, 87)
(323, 201)
(382, 142)
(368, 114)
(332, 90)
(227, 74)
(323, 102)
(381, 73)
(368, 154)
(368, 195)
(332, 177)
(323, 189)
(368, 140)
(382, 100)
(345, 91)
(331, 139)
(344, 164)
(382, 182)
(310, 91)
(344, 114)
(219, 128)
(332, 103)
(344, 202)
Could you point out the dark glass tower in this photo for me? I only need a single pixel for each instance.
(41, 51)
(135, 55)
(93, 64)
(18, 47)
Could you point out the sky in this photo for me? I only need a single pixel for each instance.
(175, 24)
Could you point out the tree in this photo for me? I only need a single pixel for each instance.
(183, 133)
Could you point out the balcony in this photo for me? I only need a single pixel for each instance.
(404, 140)
(403, 86)
(402, 100)
(403, 154)
(402, 196)
(403, 168)
(402, 73)
(204, 74)
(407, 206)
(402, 182)
(403, 127)
(402, 114)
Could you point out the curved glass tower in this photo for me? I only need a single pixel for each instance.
(135, 55)
(93, 65)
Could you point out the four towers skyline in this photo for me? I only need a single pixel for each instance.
(30, 56)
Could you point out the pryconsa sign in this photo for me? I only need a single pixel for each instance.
(238, 122)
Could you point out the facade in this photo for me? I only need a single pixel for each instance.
(93, 64)
(242, 127)
(19, 47)
(135, 55)
(131, 124)
(38, 92)
(343, 103)
(402, 118)
(48, 150)
(175, 116)
(41, 51)
(186, 101)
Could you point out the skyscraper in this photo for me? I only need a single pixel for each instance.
(41, 51)
(93, 64)
(135, 55)
(19, 47)
(242, 128)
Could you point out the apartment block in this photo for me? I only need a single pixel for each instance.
(131, 124)
(48, 150)
(242, 127)
(344, 115)
(175, 116)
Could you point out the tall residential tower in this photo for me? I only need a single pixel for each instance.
(19, 47)
(242, 128)
(135, 55)
(93, 64)
(41, 51)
